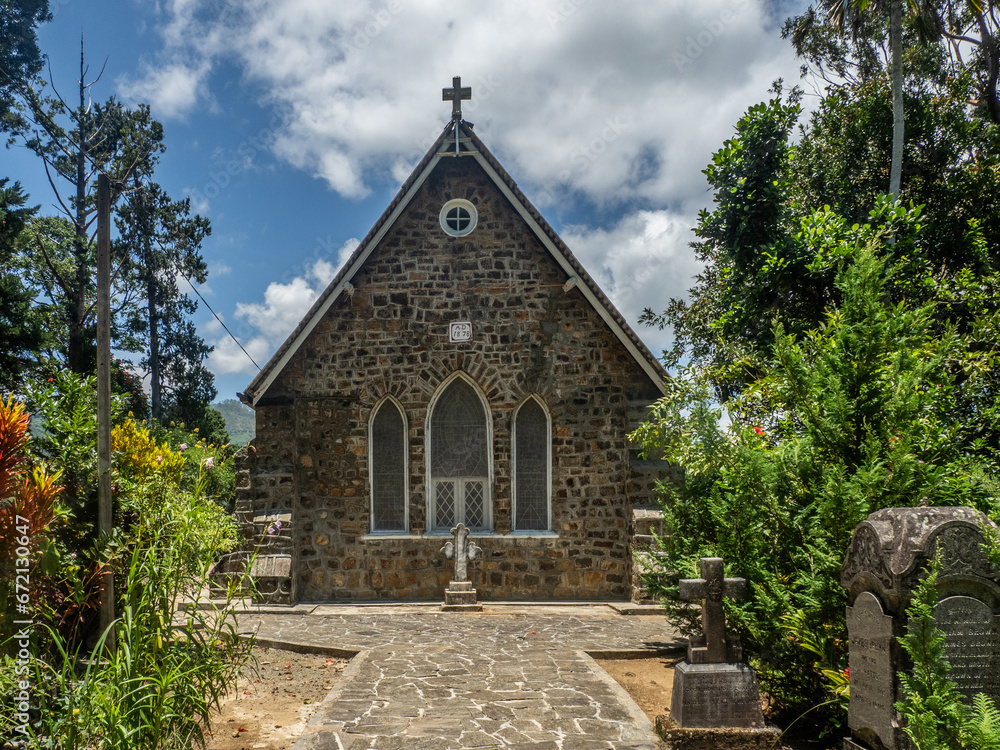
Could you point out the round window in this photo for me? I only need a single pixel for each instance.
(458, 217)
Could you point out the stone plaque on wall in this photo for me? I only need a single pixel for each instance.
(972, 645)
(872, 676)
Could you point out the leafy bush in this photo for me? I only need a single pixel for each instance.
(169, 670)
(173, 661)
(853, 416)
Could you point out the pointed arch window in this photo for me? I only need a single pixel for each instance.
(532, 461)
(387, 458)
(459, 461)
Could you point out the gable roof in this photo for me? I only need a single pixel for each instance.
(458, 137)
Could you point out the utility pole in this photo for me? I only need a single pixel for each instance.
(105, 516)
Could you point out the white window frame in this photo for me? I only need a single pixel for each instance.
(430, 489)
(406, 468)
(459, 203)
(548, 467)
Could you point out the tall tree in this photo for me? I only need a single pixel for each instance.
(75, 143)
(161, 240)
(843, 14)
(971, 25)
(20, 327)
(20, 58)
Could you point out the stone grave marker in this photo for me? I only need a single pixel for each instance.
(711, 689)
(972, 644)
(872, 676)
(889, 554)
(460, 596)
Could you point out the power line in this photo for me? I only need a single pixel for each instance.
(216, 316)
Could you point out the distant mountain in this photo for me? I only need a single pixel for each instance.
(240, 421)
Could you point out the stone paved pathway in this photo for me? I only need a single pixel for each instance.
(509, 677)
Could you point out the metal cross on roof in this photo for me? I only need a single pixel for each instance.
(711, 588)
(456, 94)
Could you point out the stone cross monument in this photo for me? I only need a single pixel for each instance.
(460, 596)
(713, 689)
(711, 588)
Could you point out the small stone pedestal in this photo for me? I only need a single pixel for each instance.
(715, 695)
(460, 597)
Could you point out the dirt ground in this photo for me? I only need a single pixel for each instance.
(271, 706)
(648, 681)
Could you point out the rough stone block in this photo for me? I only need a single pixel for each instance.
(715, 695)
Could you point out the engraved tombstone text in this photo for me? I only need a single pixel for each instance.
(870, 635)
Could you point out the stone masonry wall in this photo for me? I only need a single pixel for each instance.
(390, 337)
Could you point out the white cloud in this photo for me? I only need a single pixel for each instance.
(265, 325)
(172, 90)
(642, 262)
(622, 101)
(227, 358)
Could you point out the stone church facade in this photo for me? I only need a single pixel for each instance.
(461, 367)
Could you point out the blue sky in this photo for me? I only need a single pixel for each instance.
(292, 123)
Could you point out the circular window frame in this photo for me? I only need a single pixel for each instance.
(458, 203)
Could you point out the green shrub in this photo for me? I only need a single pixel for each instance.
(854, 416)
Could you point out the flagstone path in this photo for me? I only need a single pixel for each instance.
(509, 677)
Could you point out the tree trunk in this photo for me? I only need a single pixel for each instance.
(155, 376)
(896, 46)
(80, 342)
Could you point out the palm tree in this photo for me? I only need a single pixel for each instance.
(847, 12)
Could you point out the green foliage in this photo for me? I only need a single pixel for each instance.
(20, 329)
(753, 268)
(160, 239)
(841, 420)
(171, 666)
(169, 670)
(20, 58)
(936, 717)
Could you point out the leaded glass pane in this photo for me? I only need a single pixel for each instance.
(458, 434)
(388, 457)
(444, 503)
(475, 505)
(531, 511)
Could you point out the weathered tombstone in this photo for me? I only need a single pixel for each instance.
(712, 689)
(460, 596)
(889, 553)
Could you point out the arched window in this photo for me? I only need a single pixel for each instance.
(531, 461)
(387, 458)
(460, 449)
